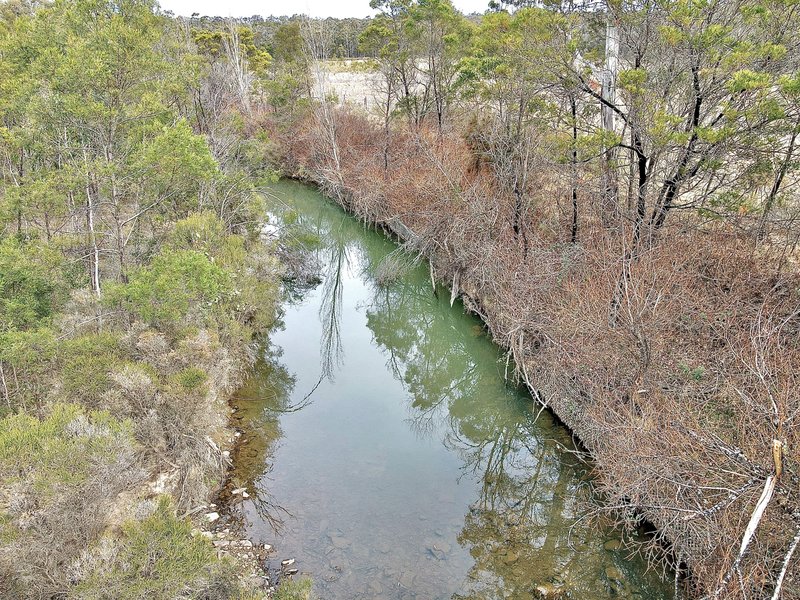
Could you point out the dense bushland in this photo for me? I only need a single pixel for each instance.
(611, 186)
(134, 284)
(612, 189)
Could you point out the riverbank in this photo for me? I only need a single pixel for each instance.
(122, 427)
(651, 396)
(386, 452)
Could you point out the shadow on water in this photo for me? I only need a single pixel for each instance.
(384, 450)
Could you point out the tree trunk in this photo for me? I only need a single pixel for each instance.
(682, 172)
(776, 186)
(238, 62)
(610, 190)
(574, 111)
(94, 262)
(641, 188)
(5, 386)
(20, 176)
(387, 113)
(119, 224)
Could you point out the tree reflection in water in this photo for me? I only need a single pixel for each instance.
(259, 404)
(523, 530)
(268, 393)
(330, 310)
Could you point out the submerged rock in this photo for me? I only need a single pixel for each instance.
(614, 544)
(439, 550)
(375, 588)
(546, 591)
(339, 542)
(407, 579)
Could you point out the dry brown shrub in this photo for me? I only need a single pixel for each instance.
(678, 393)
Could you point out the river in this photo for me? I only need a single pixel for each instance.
(384, 450)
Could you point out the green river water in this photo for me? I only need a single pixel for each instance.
(385, 452)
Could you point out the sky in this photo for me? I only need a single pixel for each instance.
(315, 8)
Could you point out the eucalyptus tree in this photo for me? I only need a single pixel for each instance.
(379, 40)
(387, 37)
(518, 75)
(698, 84)
(93, 143)
(288, 85)
(779, 162)
(698, 94)
(441, 34)
(419, 44)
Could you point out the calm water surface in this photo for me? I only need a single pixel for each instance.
(385, 452)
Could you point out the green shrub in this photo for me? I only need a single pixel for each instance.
(696, 373)
(252, 268)
(86, 364)
(177, 281)
(191, 378)
(59, 450)
(156, 558)
(27, 360)
(203, 232)
(28, 285)
(159, 559)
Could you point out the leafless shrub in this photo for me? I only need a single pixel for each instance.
(395, 264)
(686, 399)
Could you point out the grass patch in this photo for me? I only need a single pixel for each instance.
(299, 589)
(156, 558)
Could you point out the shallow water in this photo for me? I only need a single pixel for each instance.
(385, 452)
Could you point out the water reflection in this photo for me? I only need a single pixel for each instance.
(521, 530)
(417, 471)
(330, 310)
(259, 405)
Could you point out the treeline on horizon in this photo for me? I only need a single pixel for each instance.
(344, 35)
(613, 186)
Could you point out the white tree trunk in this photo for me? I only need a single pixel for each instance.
(237, 60)
(5, 386)
(610, 72)
(93, 241)
(609, 94)
(317, 49)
